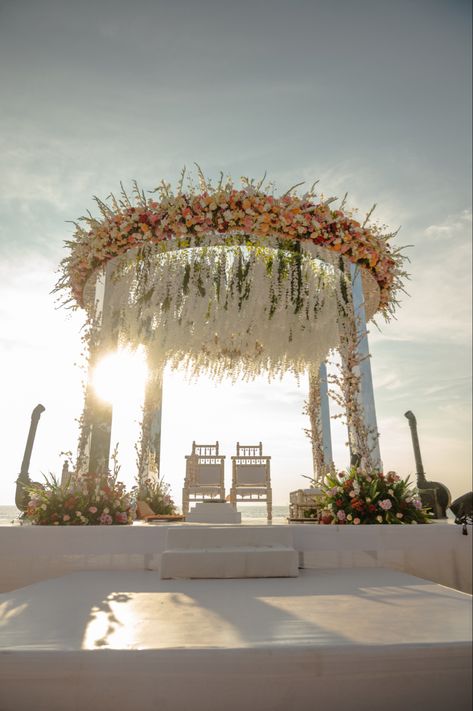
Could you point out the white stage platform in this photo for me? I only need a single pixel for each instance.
(437, 552)
(339, 639)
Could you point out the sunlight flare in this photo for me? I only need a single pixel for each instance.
(120, 377)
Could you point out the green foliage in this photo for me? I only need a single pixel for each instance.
(155, 492)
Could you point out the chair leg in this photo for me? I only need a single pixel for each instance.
(269, 505)
(233, 498)
(185, 502)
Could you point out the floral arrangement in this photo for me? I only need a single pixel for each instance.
(359, 497)
(155, 492)
(89, 500)
(225, 210)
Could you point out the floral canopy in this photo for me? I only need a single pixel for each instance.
(231, 281)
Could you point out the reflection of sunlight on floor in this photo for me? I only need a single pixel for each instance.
(96, 630)
(8, 614)
(112, 623)
(145, 620)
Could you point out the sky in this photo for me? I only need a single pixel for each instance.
(370, 97)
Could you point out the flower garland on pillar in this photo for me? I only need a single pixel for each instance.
(312, 410)
(149, 445)
(346, 382)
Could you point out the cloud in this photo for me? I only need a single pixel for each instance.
(438, 309)
(453, 227)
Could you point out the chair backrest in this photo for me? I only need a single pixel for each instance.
(249, 450)
(250, 467)
(205, 450)
(205, 466)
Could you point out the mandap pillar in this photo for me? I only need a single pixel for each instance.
(95, 438)
(357, 381)
(319, 415)
(150, 446)
(366, 389)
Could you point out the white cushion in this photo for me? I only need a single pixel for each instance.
(241, 562)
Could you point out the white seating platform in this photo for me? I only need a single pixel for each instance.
(341, 639)
(229, 552)
(213, 513)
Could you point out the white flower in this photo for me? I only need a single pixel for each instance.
(352, 494)
(399, 515)
(390, 492)
(379, 518)
(368, 500)
(349, 517)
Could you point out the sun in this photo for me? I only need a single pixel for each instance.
(120, 377)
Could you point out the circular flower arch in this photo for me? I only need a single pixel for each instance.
(283, 256)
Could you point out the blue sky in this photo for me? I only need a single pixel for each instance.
(371, 98)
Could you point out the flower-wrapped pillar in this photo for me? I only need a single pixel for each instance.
(318, 409)
(94, 443)
(149, 454)
(356, 379)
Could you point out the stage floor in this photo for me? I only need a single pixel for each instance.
(360, 638)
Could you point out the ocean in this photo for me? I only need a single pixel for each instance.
(250, 513)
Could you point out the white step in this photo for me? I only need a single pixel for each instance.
(227, 536)
(229, 552)
(213, 513)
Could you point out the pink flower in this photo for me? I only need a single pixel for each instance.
(386, 504)
(341, 515)
(66, 517)
(417, 503)
(356, 521)
(105, 519)
(93, 509)
(121, 517)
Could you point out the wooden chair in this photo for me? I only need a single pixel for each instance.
(204, 475)
(251, 477)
